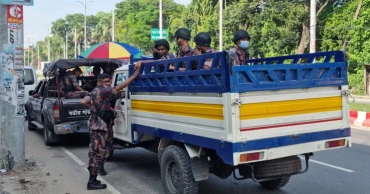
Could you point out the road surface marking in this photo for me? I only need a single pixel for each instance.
(329, 165)
(79, 162)
(110, 188)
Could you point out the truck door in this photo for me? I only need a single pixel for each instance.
(120, 127)
(39, 102)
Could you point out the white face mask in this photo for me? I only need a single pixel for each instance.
(244, 44)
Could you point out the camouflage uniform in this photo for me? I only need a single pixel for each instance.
(237, 56)
(168, 56)
(69, 84)
(109, 147)
(208, 62)
(101, 133)
(188, 52)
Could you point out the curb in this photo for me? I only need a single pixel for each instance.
(359, 118)
(361, 97)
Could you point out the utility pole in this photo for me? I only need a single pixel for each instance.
(75, 43)
(85, 7)
(221, 26)
(32, 56)
(28, 60)
(47, 26)
(12, 132)
(313, 26)
(160, 19)
(85, 36)
(38, 56)
(113, 26)
(28, 53)
(66, 47)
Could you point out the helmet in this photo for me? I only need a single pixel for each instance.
(241, 34)
(183, 33)
(203, 39)
(163, 42)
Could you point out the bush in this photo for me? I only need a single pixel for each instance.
(356, 82)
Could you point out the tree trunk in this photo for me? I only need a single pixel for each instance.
(354, 18)
(305, 32)
(305, 28)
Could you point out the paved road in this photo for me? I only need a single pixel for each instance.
(134, 171)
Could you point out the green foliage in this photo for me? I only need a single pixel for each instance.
(359, 107)
(356, 82)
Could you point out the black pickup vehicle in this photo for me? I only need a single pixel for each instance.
(48, 110)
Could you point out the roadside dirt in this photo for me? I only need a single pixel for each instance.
(30, 179)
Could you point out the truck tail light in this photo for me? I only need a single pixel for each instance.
(335, 143)
(56, 111)
(251, 156)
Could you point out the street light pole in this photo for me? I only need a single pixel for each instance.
(75, 43)
(28, 61)
(85, 7)
(38, 56)
(160, 19)
(66, 54)
(47, 26)
(221, 43)
(313, 26)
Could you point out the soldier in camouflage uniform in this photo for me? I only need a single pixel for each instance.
(100, 127)
(70, 85)
(237, 54)
(161, 51)
(203, 46)
(183, 37)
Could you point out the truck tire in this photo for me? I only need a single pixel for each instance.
(176, 172)
(50, 138)
(282, 167)
(275, 183)
(31, 126)
(160, 154)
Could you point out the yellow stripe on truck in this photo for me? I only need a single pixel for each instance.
(289, 108)
(207, 111)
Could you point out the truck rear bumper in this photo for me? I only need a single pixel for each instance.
(71, 127)
(286, 151)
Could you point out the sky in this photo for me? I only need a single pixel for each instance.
(44, 12)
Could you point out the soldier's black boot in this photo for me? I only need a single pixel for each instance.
(94, 184)
(102, 171)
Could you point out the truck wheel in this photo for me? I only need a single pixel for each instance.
(176, 172)
(275, 183)
(31, 126)
(50, 138)
(160, 154)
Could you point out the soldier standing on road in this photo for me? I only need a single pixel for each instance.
(237, 54)
(100, 124)
(203, 46)
(71, 86)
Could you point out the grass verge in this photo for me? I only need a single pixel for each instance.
(359, 107)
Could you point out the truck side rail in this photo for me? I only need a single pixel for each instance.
(275, 73)
(157, 76)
